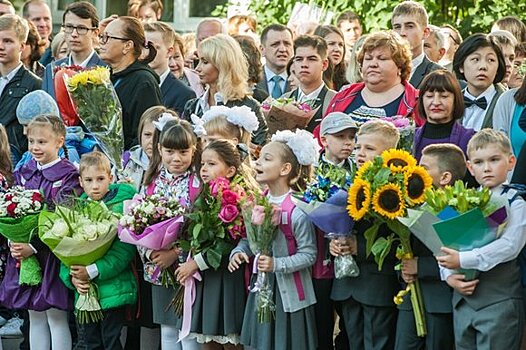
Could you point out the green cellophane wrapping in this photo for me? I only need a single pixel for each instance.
(20, 230)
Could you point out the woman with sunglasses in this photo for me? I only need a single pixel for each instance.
(137, 86)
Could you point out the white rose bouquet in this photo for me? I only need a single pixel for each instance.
(80, 236)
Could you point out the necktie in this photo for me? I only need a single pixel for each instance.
(276, 90)
(481, 102)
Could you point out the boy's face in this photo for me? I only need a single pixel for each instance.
(10, 47)
(490, 165)
(351, 30)
(368, 146)
(430, 163)
(163, 52)
(339, 146)
(309, 66)
(95, 182)
(79, 43)
(409, 28)
(508, 51)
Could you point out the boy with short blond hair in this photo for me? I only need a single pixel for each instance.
(16, 81)
(445, 163)
(175, 93)
(410, 20)
(367, 306)
(488, 312)
(337, 136)
(112, 273)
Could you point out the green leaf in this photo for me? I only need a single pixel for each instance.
(196, 231)
(370, 236)
(381, 248)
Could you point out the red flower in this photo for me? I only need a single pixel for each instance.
(228, 213)
(11, 209)
(37, 197)
(230, 197)
(8, 197)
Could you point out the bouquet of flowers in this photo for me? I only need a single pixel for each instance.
(152, 222)
(384, 189)
(216, 223)
(19, 210)
(80, 235)
(325, 203)
(65, 105)
(406, 127)
(261, 219)
(287, 114)
(457, 217)
(99, 109)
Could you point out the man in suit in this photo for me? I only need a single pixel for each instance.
(276, 47)
(410, 20)
(309, 62)
(174, 92)
(81, 26)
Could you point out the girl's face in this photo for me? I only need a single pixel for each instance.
(212, 167)
(43, 144)
(335, 46)
(146, 138)
(208, 73)
(269, 166)
(176, 161)
(438, 106)
(480, 69)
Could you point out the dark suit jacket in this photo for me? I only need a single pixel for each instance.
(48, 84)
(422, 70)
(22, 83)
(324, 98)
(262, 84)
(175, 93)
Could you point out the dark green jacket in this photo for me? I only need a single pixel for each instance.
(116, 283)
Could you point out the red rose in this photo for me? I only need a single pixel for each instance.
(8, 197)
(11, 209)
(230, 197)
(228, 213)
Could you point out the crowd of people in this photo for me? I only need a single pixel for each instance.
(192, 112)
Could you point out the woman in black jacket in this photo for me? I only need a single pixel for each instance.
(137, 86)
(223, 69)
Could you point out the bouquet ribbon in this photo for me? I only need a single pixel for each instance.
(257, 285)
(189, 298)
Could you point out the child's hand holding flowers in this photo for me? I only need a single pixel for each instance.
(164, 258)
(265, 263)
(81, 286)
(186, 270)
(79, 272)
(21, 251)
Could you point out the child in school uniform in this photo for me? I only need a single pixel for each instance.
(284, 164)
(171, 173)
(488, 312)
(445, 163)
(48, 303)
(368, 310)
(112, 273)
(337, 134)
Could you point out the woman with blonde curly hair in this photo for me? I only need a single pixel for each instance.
(223, 69)
(385, 59)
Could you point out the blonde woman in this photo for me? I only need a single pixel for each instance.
(223, 69)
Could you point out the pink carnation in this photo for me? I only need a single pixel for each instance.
(258, 215)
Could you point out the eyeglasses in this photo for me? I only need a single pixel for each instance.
(103, 38)
(81, 30)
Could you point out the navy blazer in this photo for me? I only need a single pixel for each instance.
(175, 93)
(48, 84)
(422, 70)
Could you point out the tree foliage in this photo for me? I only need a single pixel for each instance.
(469, 16)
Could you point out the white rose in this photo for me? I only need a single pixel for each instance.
(60, 229)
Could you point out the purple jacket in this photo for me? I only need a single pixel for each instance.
(459, 136)
(56, 183)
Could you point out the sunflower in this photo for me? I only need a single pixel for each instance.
(359, 199)
(388, 201)
(398, 160)
(361, 172)
(417, 180)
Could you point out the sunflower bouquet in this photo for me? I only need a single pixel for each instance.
(383, 190)
(99, 109)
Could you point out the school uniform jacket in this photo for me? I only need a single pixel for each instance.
(422, 70)
(175, 93)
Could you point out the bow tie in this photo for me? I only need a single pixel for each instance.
(481, 102)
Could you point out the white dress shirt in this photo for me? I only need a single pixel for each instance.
(270, 83)
(84, 63)
(474, 115)
(302, 97)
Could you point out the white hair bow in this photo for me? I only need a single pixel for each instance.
(161, 122)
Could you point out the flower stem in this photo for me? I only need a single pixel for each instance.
(418, 308)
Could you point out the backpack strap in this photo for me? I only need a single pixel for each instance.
(287, 207)
(520, 191)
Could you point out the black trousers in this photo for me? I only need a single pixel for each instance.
(103, 335)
